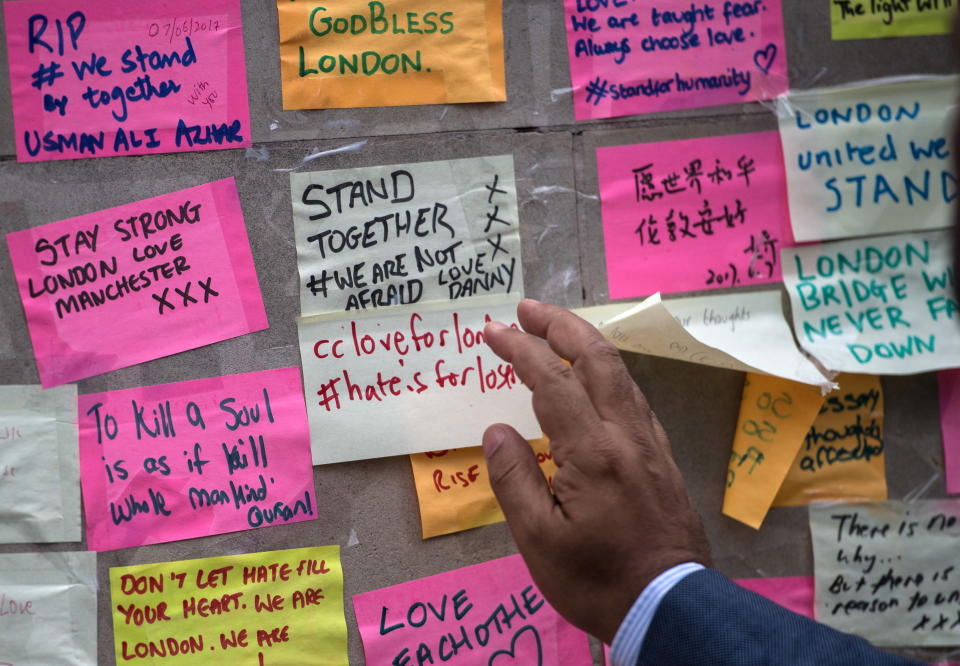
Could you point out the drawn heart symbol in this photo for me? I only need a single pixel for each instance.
(764, 58)
(523, 655)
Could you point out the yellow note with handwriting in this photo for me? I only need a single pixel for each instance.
(775, 414)
(279, 607)
(454, 489)
(841, 457)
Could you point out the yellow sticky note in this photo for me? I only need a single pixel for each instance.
(841, 457)
(390, 53)
(775, 414)
(454, 489)
(867, 19)
(279, 607)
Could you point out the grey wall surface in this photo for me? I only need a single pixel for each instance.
(374, 501)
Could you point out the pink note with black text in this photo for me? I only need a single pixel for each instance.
(137, 282)
(190, 459)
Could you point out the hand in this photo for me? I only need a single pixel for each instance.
(620, 514)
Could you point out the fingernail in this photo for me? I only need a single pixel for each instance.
(496, 326)
(492, 439)
(531, 301)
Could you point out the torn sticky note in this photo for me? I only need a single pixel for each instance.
(794, 593)
(175, 269)
(453, 487)
(390, 54)
(406, 234)
(869, 158)
(949, 386)
(693, 214)
(416, 381)
(775, 414)
(743, 331)
(887, 570)
(882, 305)
(49, 602)
(862, 19)
(492, 612)
(275, 607)
(841, 457)
(189, 459)
(39, 467)
(115, 78)
(638, 57)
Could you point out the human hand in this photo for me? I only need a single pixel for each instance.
(620, 514)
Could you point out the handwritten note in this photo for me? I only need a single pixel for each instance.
(795, 593)
(489, 613)
(49, 608)
(774, 415)
(949, 386)
(175, 269)
(393, 384)
(864, 19)
(693, 214)
(887, 571)
(277, 607)
(390, 53)
(115, 78)
(743, 331)
(453, 487)
(841, 457)
(647, 56)
(870, 158)
(194, 458)
(39, 467)
(405, 234)
(876, 305)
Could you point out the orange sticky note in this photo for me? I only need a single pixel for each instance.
(454, 489)
(841, 457)
(775, 414)
(390, 53)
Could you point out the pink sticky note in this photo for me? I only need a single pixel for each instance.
(794, 593)
(98, 79)
(693, 214)
(645, 56)
(489, 613)
(949, 381)
(189, 459)
(137, 282)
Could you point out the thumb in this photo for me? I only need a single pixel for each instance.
(516, 479)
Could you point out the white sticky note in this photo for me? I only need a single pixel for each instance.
(390, 383)
(39, 464)
(888, 571)
(869, 158)
(406, 234)
(881, 305)
(49, 604)
(743, 331)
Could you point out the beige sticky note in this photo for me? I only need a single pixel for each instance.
(48, 609)
(887, 571)
(39, 464)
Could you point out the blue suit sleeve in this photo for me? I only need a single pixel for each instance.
(708, 619)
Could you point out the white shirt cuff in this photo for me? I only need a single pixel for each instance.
(625, 649)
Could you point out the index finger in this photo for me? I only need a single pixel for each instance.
(596, 362)
(560, 403)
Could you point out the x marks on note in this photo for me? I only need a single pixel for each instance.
(185, 296)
